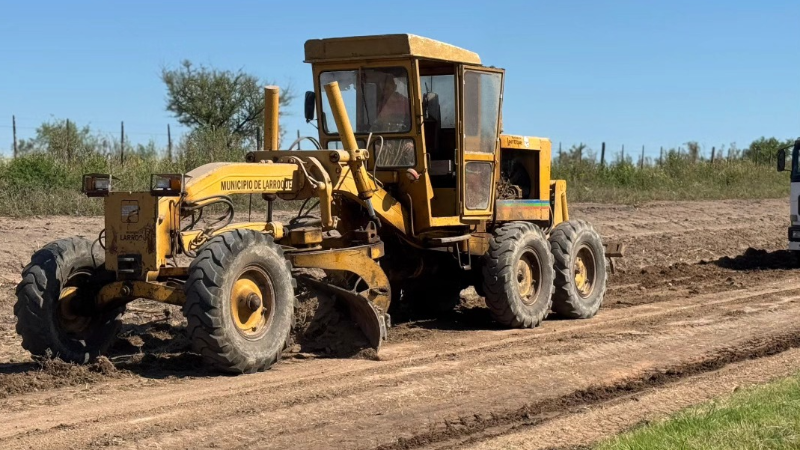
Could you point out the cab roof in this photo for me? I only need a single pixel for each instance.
(384, 47)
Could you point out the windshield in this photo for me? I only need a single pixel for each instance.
(376, 100)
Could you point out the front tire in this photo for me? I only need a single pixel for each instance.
(240, 302)
(518, 275)
(580, 265)
(60, 277)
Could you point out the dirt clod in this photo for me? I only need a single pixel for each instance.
(50, 373)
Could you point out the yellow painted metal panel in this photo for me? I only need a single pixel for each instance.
(241, 178)
(560, 210)
(523, 209)
(386, 46)
(523, 142)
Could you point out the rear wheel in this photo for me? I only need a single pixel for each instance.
(240, 302)
(580, 265)
(54, 302)
(518, 275)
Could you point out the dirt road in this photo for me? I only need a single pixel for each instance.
(704, 303)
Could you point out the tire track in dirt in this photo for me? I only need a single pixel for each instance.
(588, 425)
(552, 339)
(202, 417)
(477, 392)
(502, 422)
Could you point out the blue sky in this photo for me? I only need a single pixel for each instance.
(624, 72)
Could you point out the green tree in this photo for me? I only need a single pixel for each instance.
(63, 140)
(693, 150)
(764, 150)
(218, 101)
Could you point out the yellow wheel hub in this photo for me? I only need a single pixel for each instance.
(67, 319)
(252, 302)
(584, 270)
(528, 277)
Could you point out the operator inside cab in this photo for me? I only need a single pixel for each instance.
(378, 99)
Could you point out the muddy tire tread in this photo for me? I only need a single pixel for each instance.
(205, 317)
(41, 283)
(565, 302)
(498, 273)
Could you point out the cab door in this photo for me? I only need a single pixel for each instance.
(481, 102)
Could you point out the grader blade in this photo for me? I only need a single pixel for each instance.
(364, 313)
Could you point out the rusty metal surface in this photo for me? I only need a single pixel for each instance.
(125, 291)
(368, 304)
(369, 318)
(614, 249)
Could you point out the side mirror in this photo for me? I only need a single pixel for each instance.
(781, 160)
(310, 105)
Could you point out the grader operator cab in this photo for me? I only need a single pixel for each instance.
(420, 195)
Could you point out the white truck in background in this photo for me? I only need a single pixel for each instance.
(794, 226)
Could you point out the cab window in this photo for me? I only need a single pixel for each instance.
(376, 100)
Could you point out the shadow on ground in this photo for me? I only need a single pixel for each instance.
(758, 259)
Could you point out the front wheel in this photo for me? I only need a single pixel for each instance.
(239, 302)
(518, 275)
(580, 265)
(60, 281)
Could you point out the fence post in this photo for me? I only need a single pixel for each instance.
(603, 155)
(122, 143)
(14, 128)
(169, 144)
(713, 151)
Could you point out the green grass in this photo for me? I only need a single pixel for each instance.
(675, 179)
(763, 417)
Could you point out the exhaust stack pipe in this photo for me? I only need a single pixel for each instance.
(271, 103)
(357, 156)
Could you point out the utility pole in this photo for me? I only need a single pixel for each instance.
(661, 156)
(122, 143)
(169, 144)
(623, 153)
(14, 128)
(603, 155)
(259, 145)
(299, 145)
(559, 152)
(713, 154)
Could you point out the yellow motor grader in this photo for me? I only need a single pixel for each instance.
(420, 195)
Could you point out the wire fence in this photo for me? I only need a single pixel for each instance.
(163, 144)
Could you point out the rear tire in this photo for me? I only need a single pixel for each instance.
(240, 302)
(518, 275)
(580, 265)
(59, 276)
